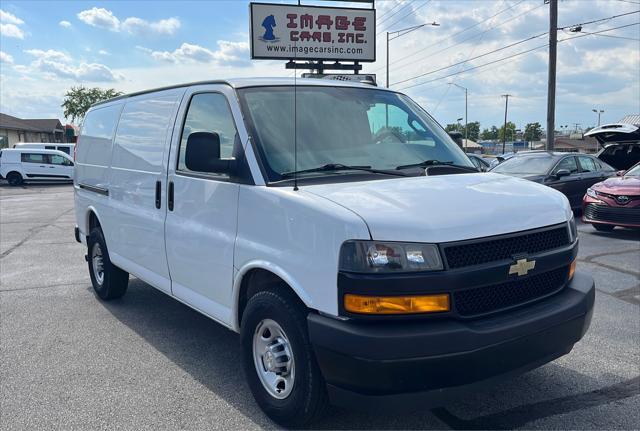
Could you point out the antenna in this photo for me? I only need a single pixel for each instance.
(295, 119)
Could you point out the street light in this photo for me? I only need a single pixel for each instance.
(466, 117)
(399, 33)
(598, 112)
(458, 121)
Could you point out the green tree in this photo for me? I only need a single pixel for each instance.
(532, 132)
(489, 134)
(78, 100)
(455, 127)
(511, 132)
(474, 130)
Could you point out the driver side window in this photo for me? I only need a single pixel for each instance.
(568, 163)
(389, 123)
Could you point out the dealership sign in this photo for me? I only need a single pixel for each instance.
(280, 31)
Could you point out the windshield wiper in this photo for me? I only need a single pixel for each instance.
(434, 162)
(330, 167)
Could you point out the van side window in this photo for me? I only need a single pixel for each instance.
(33, 158)
(55, 159)
(209, 112)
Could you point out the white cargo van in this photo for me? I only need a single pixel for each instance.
(25, 164)
(65, 148)
(339, 230)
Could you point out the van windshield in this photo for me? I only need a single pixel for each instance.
(342, 126)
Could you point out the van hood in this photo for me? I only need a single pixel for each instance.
(447, 207)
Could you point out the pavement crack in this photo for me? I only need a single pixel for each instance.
(33, 232)
(522, 415)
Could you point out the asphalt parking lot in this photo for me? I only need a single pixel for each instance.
(68, 361)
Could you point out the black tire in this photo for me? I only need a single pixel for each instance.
(308, 398)
(14, 179)
(114, 280)
(603, 227)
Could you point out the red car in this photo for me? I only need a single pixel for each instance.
(614, 202)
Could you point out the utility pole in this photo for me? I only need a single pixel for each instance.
(399, 33)
(506, 107)
(551, 93)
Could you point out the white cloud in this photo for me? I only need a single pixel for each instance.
(9, 18)
(58, 64)
(104, 52)
(100, 17)
(140, 26)
(5, 58)
(104, 18)
(11, 30)
(65, 24)
(227, 53)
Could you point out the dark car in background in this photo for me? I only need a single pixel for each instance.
(614, 202)
(569, 173)
(620, 144)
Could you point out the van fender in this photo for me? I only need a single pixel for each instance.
(272, 268)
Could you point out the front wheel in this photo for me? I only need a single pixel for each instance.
(278, 359)
(603, 227)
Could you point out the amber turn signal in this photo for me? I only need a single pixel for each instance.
(572, 268)
(396, 304)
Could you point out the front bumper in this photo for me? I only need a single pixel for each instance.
(405, 364)
(594, 211)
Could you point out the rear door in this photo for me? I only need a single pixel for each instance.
(34, 164)
(202, 215)
(590, 171)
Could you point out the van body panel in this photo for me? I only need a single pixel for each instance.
(393, 213)
(140, 148)
(300, 233)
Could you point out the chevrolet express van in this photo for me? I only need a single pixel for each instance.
(339, 230)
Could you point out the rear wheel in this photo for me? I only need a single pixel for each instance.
(109, 281)
(603, 227)
(14, 179)
(278, 359)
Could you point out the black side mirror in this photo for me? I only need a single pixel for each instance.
(562, 173)
(203, 154)
(620, 173)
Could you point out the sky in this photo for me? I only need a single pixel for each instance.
(46, 47)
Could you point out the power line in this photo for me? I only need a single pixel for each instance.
(404, 16)
(471, 59)
(438, 42)
(512, 56)
(408, 3)
(610, 35)
(598, 20)
(388, 12)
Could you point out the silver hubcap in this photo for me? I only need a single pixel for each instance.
(97, 263)
(273, 359)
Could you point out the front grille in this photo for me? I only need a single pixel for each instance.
(622, 215)
(487, 299)
(477, 252)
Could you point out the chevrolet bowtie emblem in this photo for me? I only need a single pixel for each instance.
(522, 267)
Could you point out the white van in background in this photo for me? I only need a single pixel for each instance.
(339, 229)
(18, 165)
(65, 148)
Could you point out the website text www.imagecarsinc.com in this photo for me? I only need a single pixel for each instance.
(314, 49)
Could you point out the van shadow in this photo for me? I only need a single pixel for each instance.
(210, 353)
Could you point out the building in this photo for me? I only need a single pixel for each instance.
(14, 130)
(631, 119)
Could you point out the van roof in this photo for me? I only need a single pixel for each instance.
(253, 82)
(31, 150)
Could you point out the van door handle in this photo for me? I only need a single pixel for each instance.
(158, 193)
(170, 196)
(51, 167)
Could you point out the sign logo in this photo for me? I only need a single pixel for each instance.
(269, 23)
(522, 267)
(622, 200)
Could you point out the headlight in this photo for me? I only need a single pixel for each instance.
(592, 193)
(374, 256)
(573, 230)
